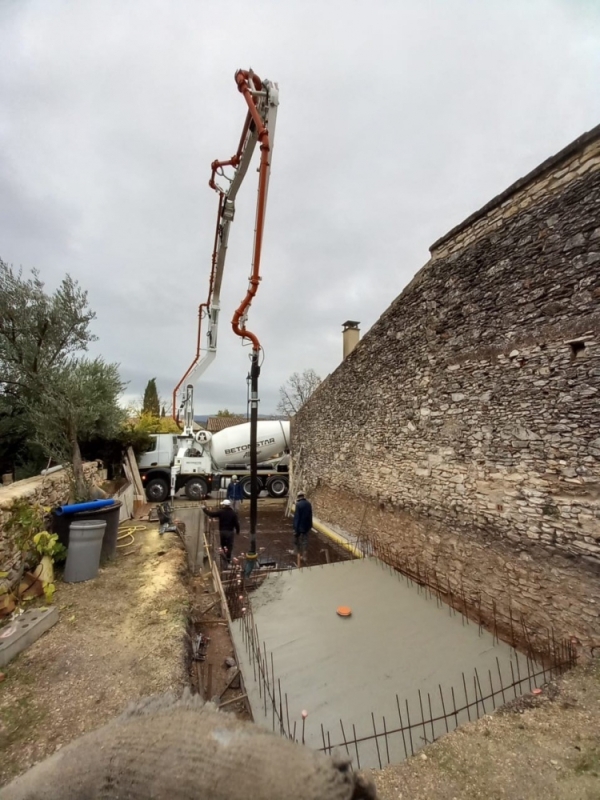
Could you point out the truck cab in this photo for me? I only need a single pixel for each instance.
(155, 466)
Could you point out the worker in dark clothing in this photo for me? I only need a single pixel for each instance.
(228, 526)
(234, 493)
(302, 524)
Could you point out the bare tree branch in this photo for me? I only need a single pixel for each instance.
(296, 391)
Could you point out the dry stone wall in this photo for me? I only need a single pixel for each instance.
(465, 427)
(47, 491)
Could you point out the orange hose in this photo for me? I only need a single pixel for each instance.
(241, 78)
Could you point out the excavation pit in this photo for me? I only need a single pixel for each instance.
(275, 538)
(398, 673)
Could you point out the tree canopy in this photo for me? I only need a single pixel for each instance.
(79, 403)
(151, 403)
(296, 391)
(39, 332)
(151, 424)
(51, 397)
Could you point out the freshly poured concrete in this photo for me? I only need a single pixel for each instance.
(398, 641)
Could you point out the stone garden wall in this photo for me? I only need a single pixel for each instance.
(464, 429)
(47, 491)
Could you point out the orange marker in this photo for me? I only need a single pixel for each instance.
(344, 611)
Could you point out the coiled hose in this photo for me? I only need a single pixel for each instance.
(127, 531)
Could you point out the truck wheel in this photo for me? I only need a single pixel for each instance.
(157, 490)
(196, 489)
(246, 484)
(277, 486)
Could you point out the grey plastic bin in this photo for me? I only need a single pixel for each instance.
(85, 546)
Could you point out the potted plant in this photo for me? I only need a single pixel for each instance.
(51, 551)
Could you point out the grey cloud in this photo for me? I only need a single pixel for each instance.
(397, 120)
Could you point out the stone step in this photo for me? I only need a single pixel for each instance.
(24, 630)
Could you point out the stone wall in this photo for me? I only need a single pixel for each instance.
(47, 491)
(465, 427)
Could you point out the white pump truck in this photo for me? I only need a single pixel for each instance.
(198, 461)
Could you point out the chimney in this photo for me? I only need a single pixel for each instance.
(350, 336)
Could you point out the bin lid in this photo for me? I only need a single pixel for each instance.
(98, 512)
(88, 524)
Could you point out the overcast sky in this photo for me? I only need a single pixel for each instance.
(397, 119)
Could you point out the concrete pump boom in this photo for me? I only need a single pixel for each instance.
(262, 98)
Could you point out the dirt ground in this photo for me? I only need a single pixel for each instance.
(545, 748)
(125, 635)
(275, 536)
(119, 637)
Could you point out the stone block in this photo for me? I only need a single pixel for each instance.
(575, 241)
(21, 633)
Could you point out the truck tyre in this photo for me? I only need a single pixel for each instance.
(246, 484)
(277, 486)
(157, 490)
(196, 489)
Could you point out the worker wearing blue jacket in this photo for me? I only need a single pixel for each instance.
(302, 524)
(234, 492)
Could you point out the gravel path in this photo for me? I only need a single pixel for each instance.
(119, 637)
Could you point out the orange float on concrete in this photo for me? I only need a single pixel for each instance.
(344, 611)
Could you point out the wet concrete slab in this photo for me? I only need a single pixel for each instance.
(399, 641)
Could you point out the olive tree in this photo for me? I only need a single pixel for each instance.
(50, 395)
(39, 333)
(80, 403)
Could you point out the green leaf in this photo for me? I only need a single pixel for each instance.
(49, 590)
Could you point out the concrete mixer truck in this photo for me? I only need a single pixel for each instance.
(204, 462)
